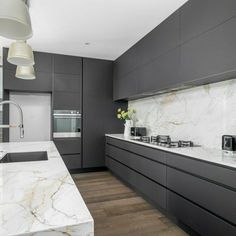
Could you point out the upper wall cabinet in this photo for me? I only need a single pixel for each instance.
(146, 53)
(199, 16)
(43, 71)
(67, 65)
(211, 56)
(194, 46)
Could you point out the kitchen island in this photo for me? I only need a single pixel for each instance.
(40, 198)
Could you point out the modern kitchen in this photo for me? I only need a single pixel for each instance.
(117, 118)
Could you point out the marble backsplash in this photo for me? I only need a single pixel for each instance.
(201, 114)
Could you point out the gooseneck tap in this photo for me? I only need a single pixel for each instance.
(21, 125)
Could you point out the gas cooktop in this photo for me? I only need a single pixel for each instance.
(164, 141)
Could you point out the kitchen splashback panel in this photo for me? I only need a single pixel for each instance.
(201, 114)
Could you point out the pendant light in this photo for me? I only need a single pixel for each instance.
(25, 72)
(15, 20)
(20, 54)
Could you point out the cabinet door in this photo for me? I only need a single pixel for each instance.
(160, 74)
(197, 218)
(99, 111)
(67, 65)
(67, 83)
(124, 87)
(211, 55)
(42, 83)
(68, 145)
(66, 101)
(199, 16)
(148, 65)
(72, 161)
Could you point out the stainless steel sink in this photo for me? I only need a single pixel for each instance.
(24, 157)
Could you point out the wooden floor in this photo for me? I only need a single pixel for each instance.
(119, 211)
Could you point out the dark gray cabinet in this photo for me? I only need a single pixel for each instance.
(43, 71)
(66, 101)
(210, 196)
(72, 161)
(199, 16)
(64, 64)
(149, 62)
(70, 150)
(151, 169)
(67, 82)
(197, 218)
(211, 55)
(198, 193)
(194, 46)
(99, 111)
(42, 83)
(151, 190)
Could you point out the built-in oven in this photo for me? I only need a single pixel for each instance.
(67, 123)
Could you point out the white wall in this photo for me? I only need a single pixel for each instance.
(201, 114)
(37, 117)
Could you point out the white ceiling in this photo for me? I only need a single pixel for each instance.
(110, 26)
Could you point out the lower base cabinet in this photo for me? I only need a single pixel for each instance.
(72, 161)
(205, 201)
(70, 150)
(153, 191)
(197, 218)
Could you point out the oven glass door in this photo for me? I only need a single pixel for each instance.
(67, 123)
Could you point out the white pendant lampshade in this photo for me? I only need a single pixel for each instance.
(20, 54)
(15, 20)
(25, 72)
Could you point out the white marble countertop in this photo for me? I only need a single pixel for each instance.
(205, 154)
(40, 198)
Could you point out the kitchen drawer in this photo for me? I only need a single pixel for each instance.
(72, 161)
(148, 152)
(154, 192)
(197, 218)
(68, 146)
(218, 200)
(151, 169)
(222, 175)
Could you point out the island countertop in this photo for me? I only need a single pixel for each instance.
(40, 198)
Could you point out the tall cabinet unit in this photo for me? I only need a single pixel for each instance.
(67, 95)
(99, 111)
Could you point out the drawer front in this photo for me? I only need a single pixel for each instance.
(151, 169)
(212, 172)
(149, 152)
(197, 218)
(68, 146)
(151, 190)
(72, 161)
(219, 200)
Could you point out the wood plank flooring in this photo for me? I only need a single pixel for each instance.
(119, 211)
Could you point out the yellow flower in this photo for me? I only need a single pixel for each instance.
(119, 110)
(119, 116)
(122, 112)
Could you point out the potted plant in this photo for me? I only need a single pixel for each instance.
(126, 116)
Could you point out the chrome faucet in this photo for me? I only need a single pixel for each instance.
(21, 125)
